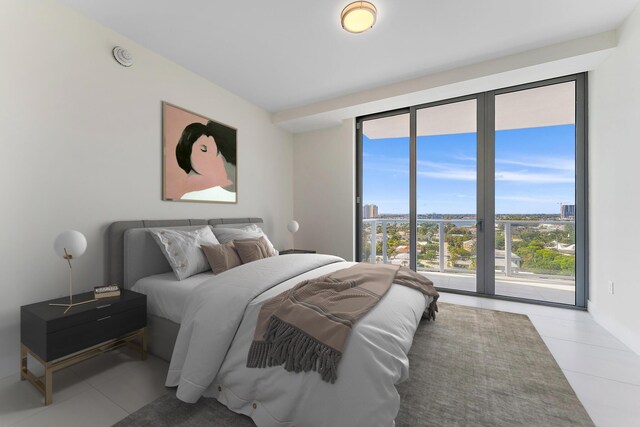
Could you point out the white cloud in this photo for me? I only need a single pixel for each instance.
(466, 158)
(446, 171)
(451, 174)
(379, 202)
(534, 178)
(527, 199)
(554, 163)
(560, 171)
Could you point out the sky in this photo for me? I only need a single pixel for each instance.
(535, 172)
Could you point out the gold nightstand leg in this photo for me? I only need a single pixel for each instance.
(45, 387)
(48, 385)
(23, 363)
(143, 349)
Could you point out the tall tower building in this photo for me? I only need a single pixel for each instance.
(370, 211)
(568, 211)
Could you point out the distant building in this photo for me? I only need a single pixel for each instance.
(501, 262)
(568, 211)
(370, 211)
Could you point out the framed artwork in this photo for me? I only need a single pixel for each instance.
(199, 158)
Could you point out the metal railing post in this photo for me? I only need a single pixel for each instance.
(441, 245)
(507, 249)
(384, 243)
(374, 230)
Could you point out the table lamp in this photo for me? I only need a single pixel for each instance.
(69, 245)
(293, 226)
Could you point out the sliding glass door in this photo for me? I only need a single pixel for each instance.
(535, 189)
(482, 194)
(385, 209)
(446, 193)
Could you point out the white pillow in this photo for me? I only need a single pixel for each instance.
(182, 249)
(228, 232)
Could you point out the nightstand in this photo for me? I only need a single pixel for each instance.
(59, 340)
(296, 251)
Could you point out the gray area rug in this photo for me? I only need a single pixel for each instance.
(472, 367)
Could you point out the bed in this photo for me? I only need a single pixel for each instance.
(218, 314)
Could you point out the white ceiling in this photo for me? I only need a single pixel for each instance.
(285, 54)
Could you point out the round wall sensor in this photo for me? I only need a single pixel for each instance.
(122, 56)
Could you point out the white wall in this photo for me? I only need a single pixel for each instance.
(81, 147)
(324, 190)
(614, 176)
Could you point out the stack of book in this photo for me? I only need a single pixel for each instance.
(107, 291)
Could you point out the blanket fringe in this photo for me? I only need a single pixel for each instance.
(297, 351)
(430, 312)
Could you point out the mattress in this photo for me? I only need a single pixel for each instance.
(166, 295)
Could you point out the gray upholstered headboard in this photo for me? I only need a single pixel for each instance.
(116, 237)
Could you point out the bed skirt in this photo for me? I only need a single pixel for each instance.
(161, 335)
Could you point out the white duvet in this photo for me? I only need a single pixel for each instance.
(210, 355)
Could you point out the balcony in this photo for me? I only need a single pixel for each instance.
(446, 254)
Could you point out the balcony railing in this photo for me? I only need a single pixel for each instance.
(507, 225)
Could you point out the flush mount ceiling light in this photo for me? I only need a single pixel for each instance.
(358, 16)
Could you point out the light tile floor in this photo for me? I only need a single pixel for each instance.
(99, 392)
(551, 288)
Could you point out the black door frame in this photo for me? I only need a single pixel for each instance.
(485, 271)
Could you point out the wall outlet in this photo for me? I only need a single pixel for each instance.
(610, 286)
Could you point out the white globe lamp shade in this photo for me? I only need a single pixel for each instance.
(73, 241)
(293, 226)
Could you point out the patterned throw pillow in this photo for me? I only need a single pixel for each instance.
(227, 233)
(182, 249)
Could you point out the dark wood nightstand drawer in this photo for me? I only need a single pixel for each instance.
(70, 340)
(99, 309)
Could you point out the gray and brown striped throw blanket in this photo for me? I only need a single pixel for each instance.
(307, 327)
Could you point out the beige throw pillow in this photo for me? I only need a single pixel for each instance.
(228, 232)
(222, 257)
(252, 249)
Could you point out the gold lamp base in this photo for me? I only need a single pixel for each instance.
(73, 304)
(79, 244)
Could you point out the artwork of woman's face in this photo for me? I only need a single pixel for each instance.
(205, 159)
(199, 157)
